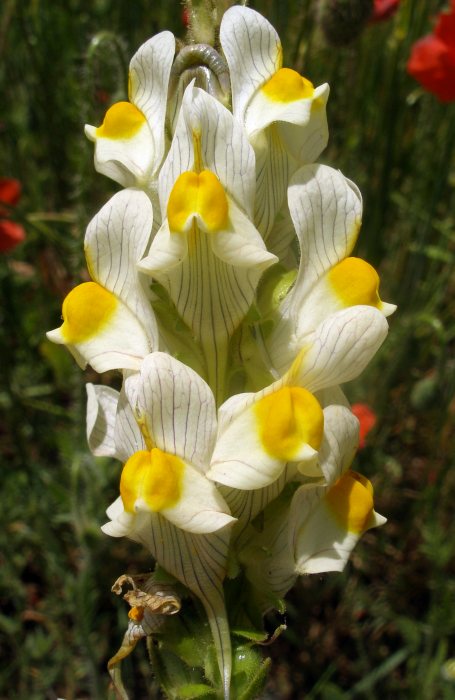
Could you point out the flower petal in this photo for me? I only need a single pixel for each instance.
(211, 278)
(150, 69)
(327, 523)
(11, 234)
(240, 460)
(208, 135)
(115, 241)
(307, 113)
(100, 330)
(176, 408)
(154, 481)
(245, 505)
(281, 238)
(352, 282)
(128, 436)
(242, 246)
(267, 555)
(168, 251)
(129, 145)
(326, 209)
(332, 396)
(280, 425)
(306, 134)
(201, 509)
(109, 323)
(340, 348)
(102, 404)
(199, 562)
(284, 137)
(253, 53)
(123, 145)
(273, 169)
(123, 524)
(340, 442)
(10, 192)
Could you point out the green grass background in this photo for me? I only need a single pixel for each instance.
(386, 626)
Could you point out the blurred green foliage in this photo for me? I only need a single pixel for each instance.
(386, 626)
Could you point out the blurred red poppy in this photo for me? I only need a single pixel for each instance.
(11, 234)
(432, 60)
(383, 9)
(367, 419)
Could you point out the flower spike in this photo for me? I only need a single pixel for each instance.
(225, 293)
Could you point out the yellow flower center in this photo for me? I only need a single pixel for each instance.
(121, 121)
(355, 282)
(288, 419)
(155, 477)
(86, 310)
(198, 195)
(351, 502)
(287, 86)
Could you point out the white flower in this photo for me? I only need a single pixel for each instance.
(326, 521)
(108, 322)
(326, 210)
(129, 144)
(167, 474)
(283, 114)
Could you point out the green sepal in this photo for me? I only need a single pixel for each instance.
(182, 630)
(250, 634)
(211, 670)
(203, 22)
(249, 673)
(275, 285)
(179, 657)
(169, 670)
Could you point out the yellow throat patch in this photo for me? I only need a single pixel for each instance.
(122, 121)
(86, 310)
(153, 476)
(287, 419)
(198, 195)
(287, 86)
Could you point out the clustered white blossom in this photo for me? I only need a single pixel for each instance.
(224, 290)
